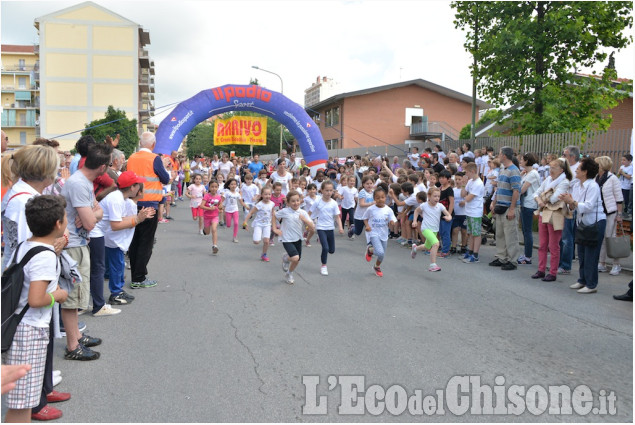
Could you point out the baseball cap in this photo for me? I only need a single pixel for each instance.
(128, 178)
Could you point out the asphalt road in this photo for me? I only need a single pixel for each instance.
(223, 339)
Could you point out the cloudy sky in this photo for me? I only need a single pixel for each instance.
(198, 45)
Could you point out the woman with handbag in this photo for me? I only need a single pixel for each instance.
(552, 212)
(612, 202)
(586, 199)
(530, 181)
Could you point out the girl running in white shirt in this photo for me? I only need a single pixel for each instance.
(326, 211)
(431, 212)
(376, 220)
(310, 198)
(262, 213)
(231, 199)
(195, 192)
(293, 221)
(349, 198)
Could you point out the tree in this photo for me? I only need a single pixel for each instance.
(115, 122)
(489, 115)
(528, 54)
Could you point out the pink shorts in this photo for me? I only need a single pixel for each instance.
(207, 221)
(197, 212)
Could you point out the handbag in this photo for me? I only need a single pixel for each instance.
(587, 234)
(618, 246)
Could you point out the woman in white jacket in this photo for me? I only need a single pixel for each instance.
(556, 184)
(613, 202)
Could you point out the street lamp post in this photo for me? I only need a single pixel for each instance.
(281, 92)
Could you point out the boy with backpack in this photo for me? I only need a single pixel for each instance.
(46, 218)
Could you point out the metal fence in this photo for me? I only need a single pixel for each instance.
(612, 143)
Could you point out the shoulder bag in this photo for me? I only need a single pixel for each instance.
(618, 246)
(587, 234)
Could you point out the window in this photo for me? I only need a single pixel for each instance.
(23, 137)
(332, 144)
(332, 117)
(21, 64)
(22, 82)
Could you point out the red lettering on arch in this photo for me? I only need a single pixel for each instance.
(229, 93)
(240, 92)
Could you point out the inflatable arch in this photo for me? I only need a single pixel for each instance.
(219, 100)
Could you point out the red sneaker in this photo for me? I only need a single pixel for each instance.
(48, 413)
(369, 253)
(378, 271)
(56, 397)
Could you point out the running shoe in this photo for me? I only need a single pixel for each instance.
(214, 249)
(324, 271)
(378, 272)
(264, 258)
(285, 263)
(289, 279)
(369, 253)
(434, 268)
(413, 254)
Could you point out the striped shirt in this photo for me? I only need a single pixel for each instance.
(508, 180)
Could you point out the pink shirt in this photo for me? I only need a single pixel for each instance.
(211, 200)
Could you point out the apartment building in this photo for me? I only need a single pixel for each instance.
(20, 93)
(90, 58)
(323, 88)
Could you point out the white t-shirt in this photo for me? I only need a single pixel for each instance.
(359, 211)
(224, 168)
(458, 209)
(231, 201)
(411, 201)
(420, 187)
(203, 170)
(115, 209)
(474, 208)
(533, 178)
(624, 182)
(261, 182)
(292, 226)
(249, 191)
(215, 165)
(284, 180)
(325, 213)
(348, 196)
(431, 216)
(43, 266)
(14, 212)
(262, 218)
(378, 219)
(197, 193)
(308, 202)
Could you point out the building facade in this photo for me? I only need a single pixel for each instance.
(323, 88)
(90, 58)
(401, 113)
(20, 93)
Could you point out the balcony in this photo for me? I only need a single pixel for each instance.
(144, 37)
(433, 130)
(144, 58)
(20, 68)
(151, 67)
(12, 121)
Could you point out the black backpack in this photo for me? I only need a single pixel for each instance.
(12, 284)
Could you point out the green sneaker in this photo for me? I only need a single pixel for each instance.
(145, 284)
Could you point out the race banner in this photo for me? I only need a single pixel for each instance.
(241, 130)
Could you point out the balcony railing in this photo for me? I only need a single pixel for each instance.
(436, 128)
(20, 68)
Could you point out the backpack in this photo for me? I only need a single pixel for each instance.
(12, 284)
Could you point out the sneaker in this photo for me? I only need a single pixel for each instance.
(615, 271)
(48, 413)
(80, 312)
(538, 275)
(264, 258)
(120, 298)
(576, 285)
(57, 373)
(167, 217)
(80, 325)
(378, 272)
(127, 265)
(285, 263)
(89, 341)
(509, 266)
(452, 250)
(470, 259)
(400, 240)
(163, 220)
(289, 279)
(587, 290)
(56, 396)
(549, 278)
(443, 255)
(463, 250)
(434, 268)
(351, 233)
(214, 249)
(563, 271)
(200, 231)
(369, 253)
(496, 263)
(413, 253)
(324, 271)
(601, 269)
(81, 353)
(523, 260)
(107, 310)
(57, 379)
(235, 240)
(308, 244)
(145, 284)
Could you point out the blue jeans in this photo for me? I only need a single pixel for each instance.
(116, 268)
(379, 247)
(527, 220)
(445, 231)
(628, 201)
(567, 246)
(589, 258)
(97, 268)
(327, 240)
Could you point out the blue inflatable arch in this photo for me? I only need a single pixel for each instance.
(219, 100)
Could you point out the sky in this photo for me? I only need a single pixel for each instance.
(197, 45)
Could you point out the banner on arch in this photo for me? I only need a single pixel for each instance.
(241, 130)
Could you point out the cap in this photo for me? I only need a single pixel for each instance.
(128, 178)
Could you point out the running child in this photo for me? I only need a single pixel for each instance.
(212, 207)
(365, 200)
(231, 199)
(262, 212)
(310, 198)
(377, 218)
(262, 179)
(326, 211)
(473, 194)
(195, 192)
(431, 211)
(250, 192)
(293, 222)
(349, 195)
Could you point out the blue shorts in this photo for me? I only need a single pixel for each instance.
(459, 221)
